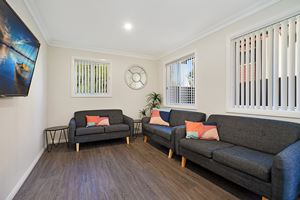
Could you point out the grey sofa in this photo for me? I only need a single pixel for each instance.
(165, 135)
(121, 126)
(258, 154)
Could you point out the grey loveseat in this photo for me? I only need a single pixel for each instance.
(165, 135)
(258, 154)
(121, 126)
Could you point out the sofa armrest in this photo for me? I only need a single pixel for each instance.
(129, 122)
(174, 138)
(146, 120)
(286, 173)
(72, 129)
(179, 133)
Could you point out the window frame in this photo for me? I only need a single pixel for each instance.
(230, 72)
(172, 60)
(73, 78)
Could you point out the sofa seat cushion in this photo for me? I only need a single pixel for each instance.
(116, 128)
(203, 147)
(162, 131)
(252, 162)
(89, 130)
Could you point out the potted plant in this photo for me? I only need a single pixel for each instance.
(153, 100)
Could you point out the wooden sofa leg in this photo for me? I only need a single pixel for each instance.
(183, 162)
(77, 147)
(264, 198)
(145, 139)
(170, 153)
(127, 140)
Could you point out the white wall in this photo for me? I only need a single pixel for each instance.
(61, 106)
(211, 59)
(22, 120)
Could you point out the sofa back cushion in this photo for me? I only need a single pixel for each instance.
(115, 116)
(178, 117)
(264, 135)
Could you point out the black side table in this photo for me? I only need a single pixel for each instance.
(137, 126)
(52, 131)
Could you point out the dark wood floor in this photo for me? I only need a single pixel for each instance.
(114, 170)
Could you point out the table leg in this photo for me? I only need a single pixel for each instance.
(52, 140)
(66, 139)
(139, 127)
(59, 137)
(46, 136)
(135, 129)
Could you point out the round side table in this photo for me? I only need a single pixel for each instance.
(52, 132)
(137, 126)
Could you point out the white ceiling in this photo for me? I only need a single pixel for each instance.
(159, 26)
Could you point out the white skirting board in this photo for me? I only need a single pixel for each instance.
(24, 177)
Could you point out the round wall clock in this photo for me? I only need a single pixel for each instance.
(136, 77)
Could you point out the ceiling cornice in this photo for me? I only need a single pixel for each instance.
(239, 16)
(33, 10)
(225, 23)
(63, 44)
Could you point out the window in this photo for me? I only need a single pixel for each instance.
(91, 78)
(265, 68)
(180, 81)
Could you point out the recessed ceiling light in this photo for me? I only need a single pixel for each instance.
(128, 26)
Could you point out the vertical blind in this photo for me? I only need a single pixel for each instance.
(91, 78)
(180, 81)
(267, 67)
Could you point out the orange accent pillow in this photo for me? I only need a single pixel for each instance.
(92, 120)
(157, 119)
(96, 121)
(103, 121)
(202, 131)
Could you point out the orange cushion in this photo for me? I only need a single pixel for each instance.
(91, 120)
(103, 121)
(96, 121)
(202, 131)
(157, 119)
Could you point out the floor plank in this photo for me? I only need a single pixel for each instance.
(114, 170)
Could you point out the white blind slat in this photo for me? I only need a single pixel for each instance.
(269, 68)
(263, 69)
(105, 79)
(276, 68)
(252, 70)
(102, 79)
(298, 64)
(99, 78)
(258, 69)
(84, 77)
(77, 75)
(242, 67)
(237, 73)
(247, 74)
(81, 76)
(291, 65)
(283, 66)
